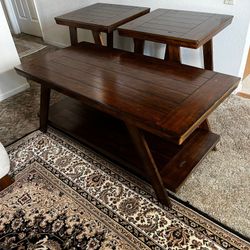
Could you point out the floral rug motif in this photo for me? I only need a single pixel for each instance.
(67, 197)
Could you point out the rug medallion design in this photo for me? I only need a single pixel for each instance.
(67, 197)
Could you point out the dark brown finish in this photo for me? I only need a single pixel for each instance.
(205, 125)
(188, 156)
(73, 35)
(138, 46)
(173, 53)
(181, 28)
(167, 99)
(110, 40)
(148, 162)
(109, 136)
(44, 107)
(5, 182)
(178, 29)
(208, 55)
(164, 99)
(101, 17)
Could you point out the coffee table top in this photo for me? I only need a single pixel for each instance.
(169, 100)
(101, 16)
(182, 28)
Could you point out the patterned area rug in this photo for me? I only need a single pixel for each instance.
(67, 197)
(26, 47)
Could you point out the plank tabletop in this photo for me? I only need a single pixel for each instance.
(101, 16)
(160, 97)
(182, 28)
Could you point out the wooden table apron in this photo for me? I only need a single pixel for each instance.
(125, 88)
(99, 18)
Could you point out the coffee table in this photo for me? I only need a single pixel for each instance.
(140, 110)
(177, 29)
(99, 18)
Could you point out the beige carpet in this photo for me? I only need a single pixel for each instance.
(26, 47)
(220, 186)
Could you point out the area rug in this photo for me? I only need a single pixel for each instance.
(68, 197)
(26, 47)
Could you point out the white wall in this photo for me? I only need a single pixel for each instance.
(57, 34)
(230, 45)
(10, 82)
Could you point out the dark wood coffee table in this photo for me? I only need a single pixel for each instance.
(177, 29)
(142, 112)
(99, 18)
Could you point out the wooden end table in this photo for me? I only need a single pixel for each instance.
(177, 29)
(99, 18)
(142, 112)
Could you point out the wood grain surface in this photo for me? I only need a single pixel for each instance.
(167, 99)
(175, 27)
(101, 16)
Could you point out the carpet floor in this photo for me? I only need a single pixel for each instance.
(67, 197)
(220, 185)
(27, 47)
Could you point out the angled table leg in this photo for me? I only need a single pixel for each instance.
(44, 107)
(97, 37)
(147, 160)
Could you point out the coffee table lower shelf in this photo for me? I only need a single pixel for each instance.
(109, 136)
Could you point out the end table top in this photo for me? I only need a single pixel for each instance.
(181, 28)
(101, 16)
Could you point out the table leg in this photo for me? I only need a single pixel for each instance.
(151, 169)
(206, 126)
(208, 55)
(73, 35)
(5, 182)
(172, 53)
(44, 107)
(110, 40)
(208, 64)
(97, 37)
(138, 46)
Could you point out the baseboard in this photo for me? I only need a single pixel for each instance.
(57, 44)
(14, 91)
(238, 89)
